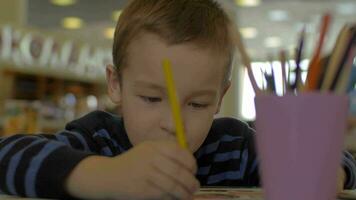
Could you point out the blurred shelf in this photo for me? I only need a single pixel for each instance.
(51, 126)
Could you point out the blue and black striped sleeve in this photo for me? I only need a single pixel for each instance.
(227, 157)
(37, 165)
(349, 165)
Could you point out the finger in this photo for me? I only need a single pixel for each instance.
(178, 173)
(173, 151)
(170, 189)
(151, 191)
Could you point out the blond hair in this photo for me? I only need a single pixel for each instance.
(202, 22)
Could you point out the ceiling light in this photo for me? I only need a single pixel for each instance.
(72, 22)
(248, 32)
(109, 33)
(63, 2)
(247, 3)
(273, 42)
(116, 14)
(278, 15)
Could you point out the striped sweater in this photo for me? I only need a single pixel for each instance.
(37, 165)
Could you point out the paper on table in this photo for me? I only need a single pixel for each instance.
(221, 193)
(347, 195)
(228, 193)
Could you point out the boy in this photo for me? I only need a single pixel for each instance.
(101, 156)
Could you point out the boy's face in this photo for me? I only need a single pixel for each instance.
(198, 75)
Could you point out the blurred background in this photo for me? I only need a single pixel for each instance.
(53, 54)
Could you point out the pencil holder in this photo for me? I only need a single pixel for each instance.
(299, 141)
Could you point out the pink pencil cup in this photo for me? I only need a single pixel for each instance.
(299, 143)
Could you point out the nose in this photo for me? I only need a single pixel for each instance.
(167, 123)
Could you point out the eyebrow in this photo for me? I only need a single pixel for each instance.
(149, 85)
(163, 89)
(206, 92)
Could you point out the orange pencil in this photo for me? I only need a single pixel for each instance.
(314, 70)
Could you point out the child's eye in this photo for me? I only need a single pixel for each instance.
(151, 99)
(198, 105)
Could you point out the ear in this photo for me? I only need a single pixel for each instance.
(224, 90)
(113, 83)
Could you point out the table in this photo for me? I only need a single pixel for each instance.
(223, 194)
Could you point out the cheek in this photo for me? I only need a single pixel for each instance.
(139, 121)
(197, 129)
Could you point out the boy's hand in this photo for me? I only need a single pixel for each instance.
(151, 170)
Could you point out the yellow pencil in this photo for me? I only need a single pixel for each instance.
(173, 99)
